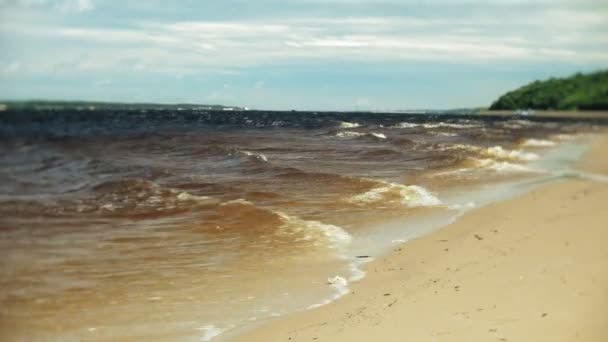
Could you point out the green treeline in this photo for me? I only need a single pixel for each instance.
(581, 91)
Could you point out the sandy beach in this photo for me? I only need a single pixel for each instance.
(533, 268)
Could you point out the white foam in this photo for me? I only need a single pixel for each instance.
(537, 143)
(564, 137)
(448, 125)
(314, 230)
(498, 152)
(257, 156)
(378, 135)
(337, 282)
(345, 124)
(462, 206)
(349, 134)
(406, 125)
(445, 134)
(409, 195)
(340, 284)
(209, 332)
(186, 196)
(500, 166)
(449, 147)
(433, 125)
(238, 201)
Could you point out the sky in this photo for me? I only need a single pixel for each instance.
(295, 54)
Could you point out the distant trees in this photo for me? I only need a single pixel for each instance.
(580, 91)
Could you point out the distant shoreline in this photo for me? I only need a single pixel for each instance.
(590, 114)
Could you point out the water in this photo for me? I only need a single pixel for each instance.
(185, 226)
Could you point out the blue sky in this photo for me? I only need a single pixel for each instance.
(288, 54)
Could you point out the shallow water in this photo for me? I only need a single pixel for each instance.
(181, 227)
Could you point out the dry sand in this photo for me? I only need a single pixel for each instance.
(533, 268)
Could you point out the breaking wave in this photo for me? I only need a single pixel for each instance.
(537, 143)
(499, 166)
(408, 195)
(434, 125)
(314, 231)
(498, 152)
(352, 134)
(134, 197)
(349, 134)
(257, 156)
(283, 225)
(345, 124)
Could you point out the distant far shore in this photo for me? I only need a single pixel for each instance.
(550, 113)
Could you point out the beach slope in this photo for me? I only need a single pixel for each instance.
(533, 268)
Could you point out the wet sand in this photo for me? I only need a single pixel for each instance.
(528, 269)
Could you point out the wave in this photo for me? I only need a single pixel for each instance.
(517, 124)
(284, 225)
(434, 125)
(345, 124)
(487, 164)
(499, 166)
(408, 195)
(563, 137)
(494, 152)
(256, 156)
(134, 197)
(314, 231)
(445, 134)
(537, 143)
(380, 153)
(497, 152)
(352, 134)
(209, 332)
(406, 125)
(378, 135)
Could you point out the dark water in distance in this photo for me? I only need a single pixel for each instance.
(181, 225)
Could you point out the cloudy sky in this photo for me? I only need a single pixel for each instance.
(295, 54)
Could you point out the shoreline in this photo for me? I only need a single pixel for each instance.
(467, 280)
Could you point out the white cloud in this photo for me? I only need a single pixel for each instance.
(546, 34)
(59, 5)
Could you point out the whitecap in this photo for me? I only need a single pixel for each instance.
(349, 134)
(538, 143)
(345, 124)
(448, 125)
(257, 156)
(186, 196)
(406, 125)
(498, 152)
(378, 135)
(563, 137)
(237, 201)
(500, 166)
(335, 236)
(409, 195)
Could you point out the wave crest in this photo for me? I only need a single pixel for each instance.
(314, 231)
(408, 195)
(434, 125)
(345, 124)
(537, 143)
(497, 152)
(352, 134)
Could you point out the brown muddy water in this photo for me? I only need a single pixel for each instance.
(139, 226)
